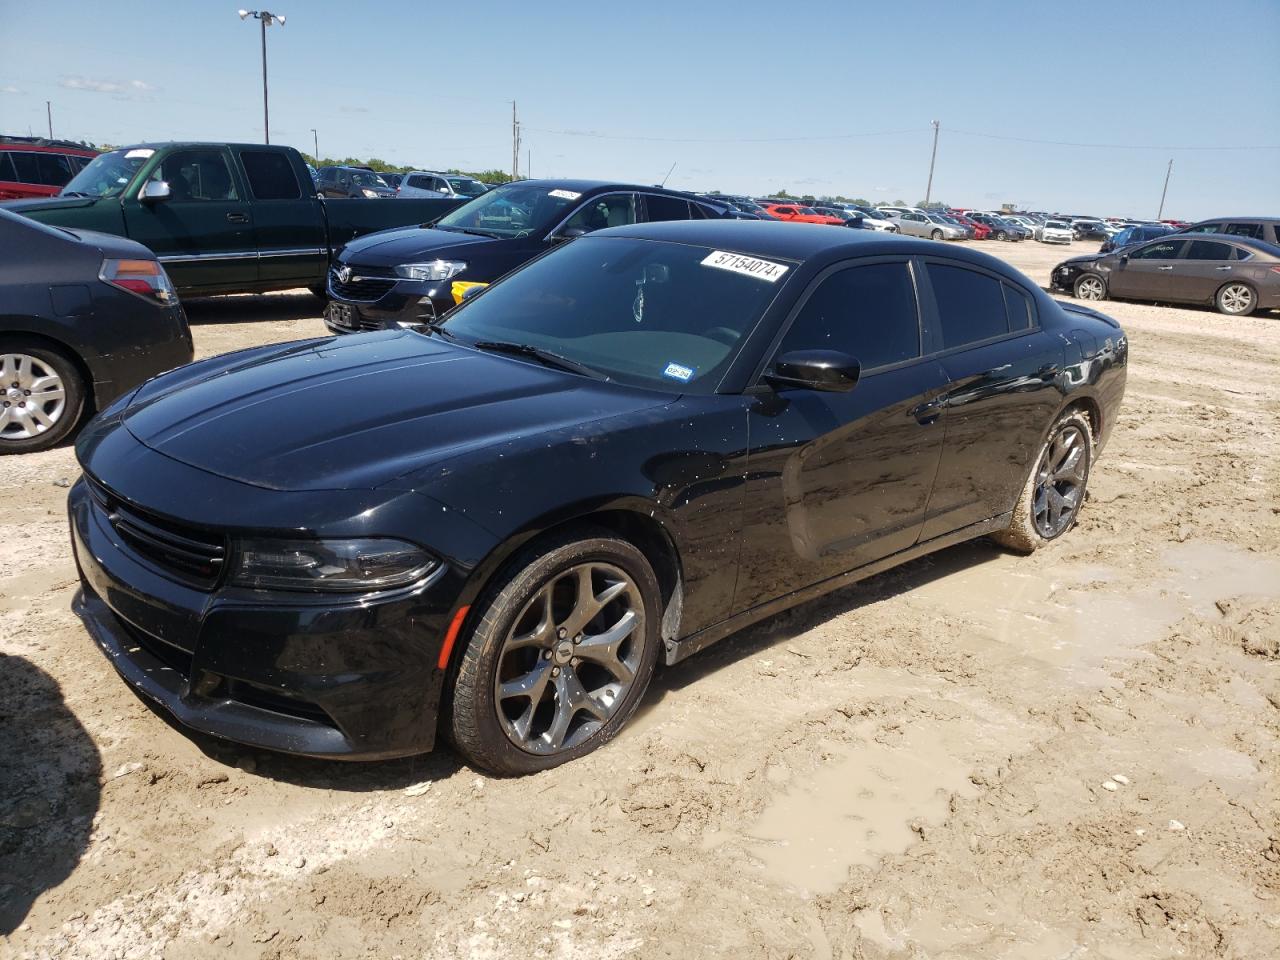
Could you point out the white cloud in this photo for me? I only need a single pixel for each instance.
(105, 86)
(10, 89)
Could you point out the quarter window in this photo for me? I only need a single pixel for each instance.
(197, 175)
(271, 176)
(1208, 250)
(868, 312)
(970, 305)
(1018, 307)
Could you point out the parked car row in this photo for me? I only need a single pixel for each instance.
(355, 182)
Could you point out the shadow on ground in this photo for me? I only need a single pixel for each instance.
(252, 308)
(50, 776)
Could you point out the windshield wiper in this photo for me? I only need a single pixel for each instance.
(546, 357)
(72, 193)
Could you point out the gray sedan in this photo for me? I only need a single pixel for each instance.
(929, 225)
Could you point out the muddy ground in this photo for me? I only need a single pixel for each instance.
(1071, 755)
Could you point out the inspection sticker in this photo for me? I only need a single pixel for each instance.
(564, 194)
(677, 372)
(141, 152)
(748, 266)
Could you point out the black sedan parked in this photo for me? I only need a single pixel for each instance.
(1235, 274)
(495, 527)
(84, 317)
(403, 277)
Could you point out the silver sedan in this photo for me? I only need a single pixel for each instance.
(928, 225)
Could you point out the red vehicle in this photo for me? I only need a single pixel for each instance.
(799, 214)
(980, 230)
(34, 167)
(1180, 224)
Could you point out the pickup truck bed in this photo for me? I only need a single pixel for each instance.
(223, 218)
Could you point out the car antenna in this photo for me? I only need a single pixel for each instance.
(664, 179)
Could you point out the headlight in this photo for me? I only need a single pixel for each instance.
(348, 565)
(371, 194)
(434, 270)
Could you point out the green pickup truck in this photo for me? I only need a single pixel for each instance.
(222, 217)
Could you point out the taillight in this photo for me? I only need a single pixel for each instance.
(144, 278)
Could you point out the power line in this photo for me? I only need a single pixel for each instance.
(1105, 146)
(592, 134)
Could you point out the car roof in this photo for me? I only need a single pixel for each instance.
(797, 241)
(1238, 220)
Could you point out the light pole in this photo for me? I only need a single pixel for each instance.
(315, 145)
(266, 18)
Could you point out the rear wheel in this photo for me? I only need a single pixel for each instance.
(1236, 300)
(1055, 490)
(42, 394)
(560, 656)
(1090, 287)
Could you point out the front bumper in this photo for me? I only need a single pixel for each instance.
(337, 676)
(406, 303)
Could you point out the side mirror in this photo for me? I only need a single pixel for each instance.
(1124, 258)
(571, 232)
(155, 190)
(827, 370)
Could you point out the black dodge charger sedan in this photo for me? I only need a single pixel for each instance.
(406, 276)
(494, 527)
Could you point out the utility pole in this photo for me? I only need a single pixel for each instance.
(528, 163)
(515, 143)
(315, 145)
(1163, 192)
(928, 190)
(48, 109)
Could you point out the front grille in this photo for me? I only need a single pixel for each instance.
(179, 661)
(190, 555)
(366, 283)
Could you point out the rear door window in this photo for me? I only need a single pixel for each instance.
(658, 208)
(1205, 228)
(1244, 230)
(6, 167)
(1208, 250)
(868, 312)
(970, 305)
(26, 165)
(271, 175)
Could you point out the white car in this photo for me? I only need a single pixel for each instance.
(1056, 231)
(876, 221)
(429, 183)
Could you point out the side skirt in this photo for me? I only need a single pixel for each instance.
(677, 650)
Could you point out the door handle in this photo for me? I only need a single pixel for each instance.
(927, 413)
(1164, 268)
(1222, 268)
(237, 218)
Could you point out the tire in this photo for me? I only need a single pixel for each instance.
(519, 640)
(935, 235)
(1089, 287)
(1001, 235)
(1028, 529)
(1236, 299)
(29, 368)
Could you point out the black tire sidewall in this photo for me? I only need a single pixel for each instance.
(475, 727)
(73, 384)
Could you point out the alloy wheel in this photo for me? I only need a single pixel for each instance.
(34, 397)
(570, 658)
(1236, 298)
(1060, 480)
(1090, 288)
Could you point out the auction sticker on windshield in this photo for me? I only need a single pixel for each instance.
(679, 372)
(564, 194)
(747, 266)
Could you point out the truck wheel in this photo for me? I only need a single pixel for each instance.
(1055, 489)
(42, 394)
(560, 654)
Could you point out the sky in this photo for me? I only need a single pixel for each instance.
(1072, 107)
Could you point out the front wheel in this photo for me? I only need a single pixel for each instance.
(42, 394)
(1055, 490)
(1001, 235)
(560, 655)
(1090, 287)
(1236, 300)
(935, 235)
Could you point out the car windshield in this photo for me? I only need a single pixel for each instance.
(363, 178)
(635, 311)
(108, 174)
(512, 210)
(1056, 225)
(466, 187)
(809, 211)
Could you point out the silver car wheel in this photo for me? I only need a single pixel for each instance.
(34, 397)
(1236, 299)
(1090, 288)
(570, 658)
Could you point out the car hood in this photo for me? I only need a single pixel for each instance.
(390, 248)
(33, 204)
(358, 412)
(1083, 259)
